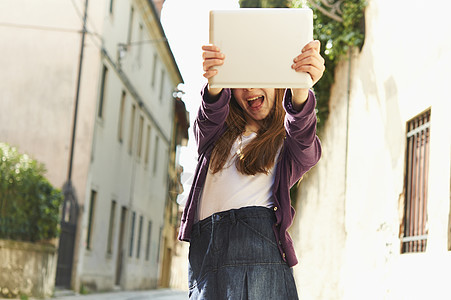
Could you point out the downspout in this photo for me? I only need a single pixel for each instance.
(77, 95)
(74, 280)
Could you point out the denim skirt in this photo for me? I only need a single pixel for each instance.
(234, 255)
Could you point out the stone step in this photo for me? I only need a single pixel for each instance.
(62, 292)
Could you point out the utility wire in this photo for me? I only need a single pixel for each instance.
(37, 27)
(81, 16)
(92, 34)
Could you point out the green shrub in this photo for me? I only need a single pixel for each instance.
(337, 38)
(29, 204)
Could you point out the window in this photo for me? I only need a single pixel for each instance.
(130, 25)
(149, 231)
(155, 158)
(132, 126)
(121, 252)
(140, 230)
(160, 236)
(132, 234)
(102, 91)
(166, 158)
(140, 46)
(140, 135)
(416, 181)
(109, 248)
(146, 155)
(92, 206)
(161, 85)
(111, 6)
(120, 132)
(154, 69)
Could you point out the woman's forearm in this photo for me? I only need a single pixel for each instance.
(299, 97)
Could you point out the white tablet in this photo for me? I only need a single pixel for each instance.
(260, 45)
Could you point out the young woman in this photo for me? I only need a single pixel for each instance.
(253, 145)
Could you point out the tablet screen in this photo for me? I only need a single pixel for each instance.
(259, 46)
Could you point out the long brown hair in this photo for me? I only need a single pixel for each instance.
(259, 155)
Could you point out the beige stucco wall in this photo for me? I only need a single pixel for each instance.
(40, 60)
(346, 230)
(119, 174)
(38, 82)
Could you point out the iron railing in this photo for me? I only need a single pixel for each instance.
(414, 238)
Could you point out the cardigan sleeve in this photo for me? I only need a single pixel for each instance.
(302, 146)
(210, 118)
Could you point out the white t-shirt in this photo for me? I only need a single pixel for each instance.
(230, 189)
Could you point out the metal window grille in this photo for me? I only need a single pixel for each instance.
(416, 181)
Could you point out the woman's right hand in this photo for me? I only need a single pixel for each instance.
(212, 57)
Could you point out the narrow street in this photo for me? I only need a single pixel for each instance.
(160, 294)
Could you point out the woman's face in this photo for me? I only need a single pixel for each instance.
(256, 103)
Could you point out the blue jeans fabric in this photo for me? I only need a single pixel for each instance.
(234, 255)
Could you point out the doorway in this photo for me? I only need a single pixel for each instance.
(120, 247)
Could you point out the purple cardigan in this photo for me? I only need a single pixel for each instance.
(300, 152)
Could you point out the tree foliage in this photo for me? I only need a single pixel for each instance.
(29, 204)
(336, 39)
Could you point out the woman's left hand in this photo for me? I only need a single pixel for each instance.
(310, 61)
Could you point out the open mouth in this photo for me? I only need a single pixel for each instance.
(255, 102)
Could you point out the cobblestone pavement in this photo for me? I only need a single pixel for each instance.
(160, 294)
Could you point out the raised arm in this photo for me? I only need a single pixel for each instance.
(311, 62)
(302, 145)
(214, 107)
(212, 57)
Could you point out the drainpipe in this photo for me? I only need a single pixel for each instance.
(77, 95)
(70, 190)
